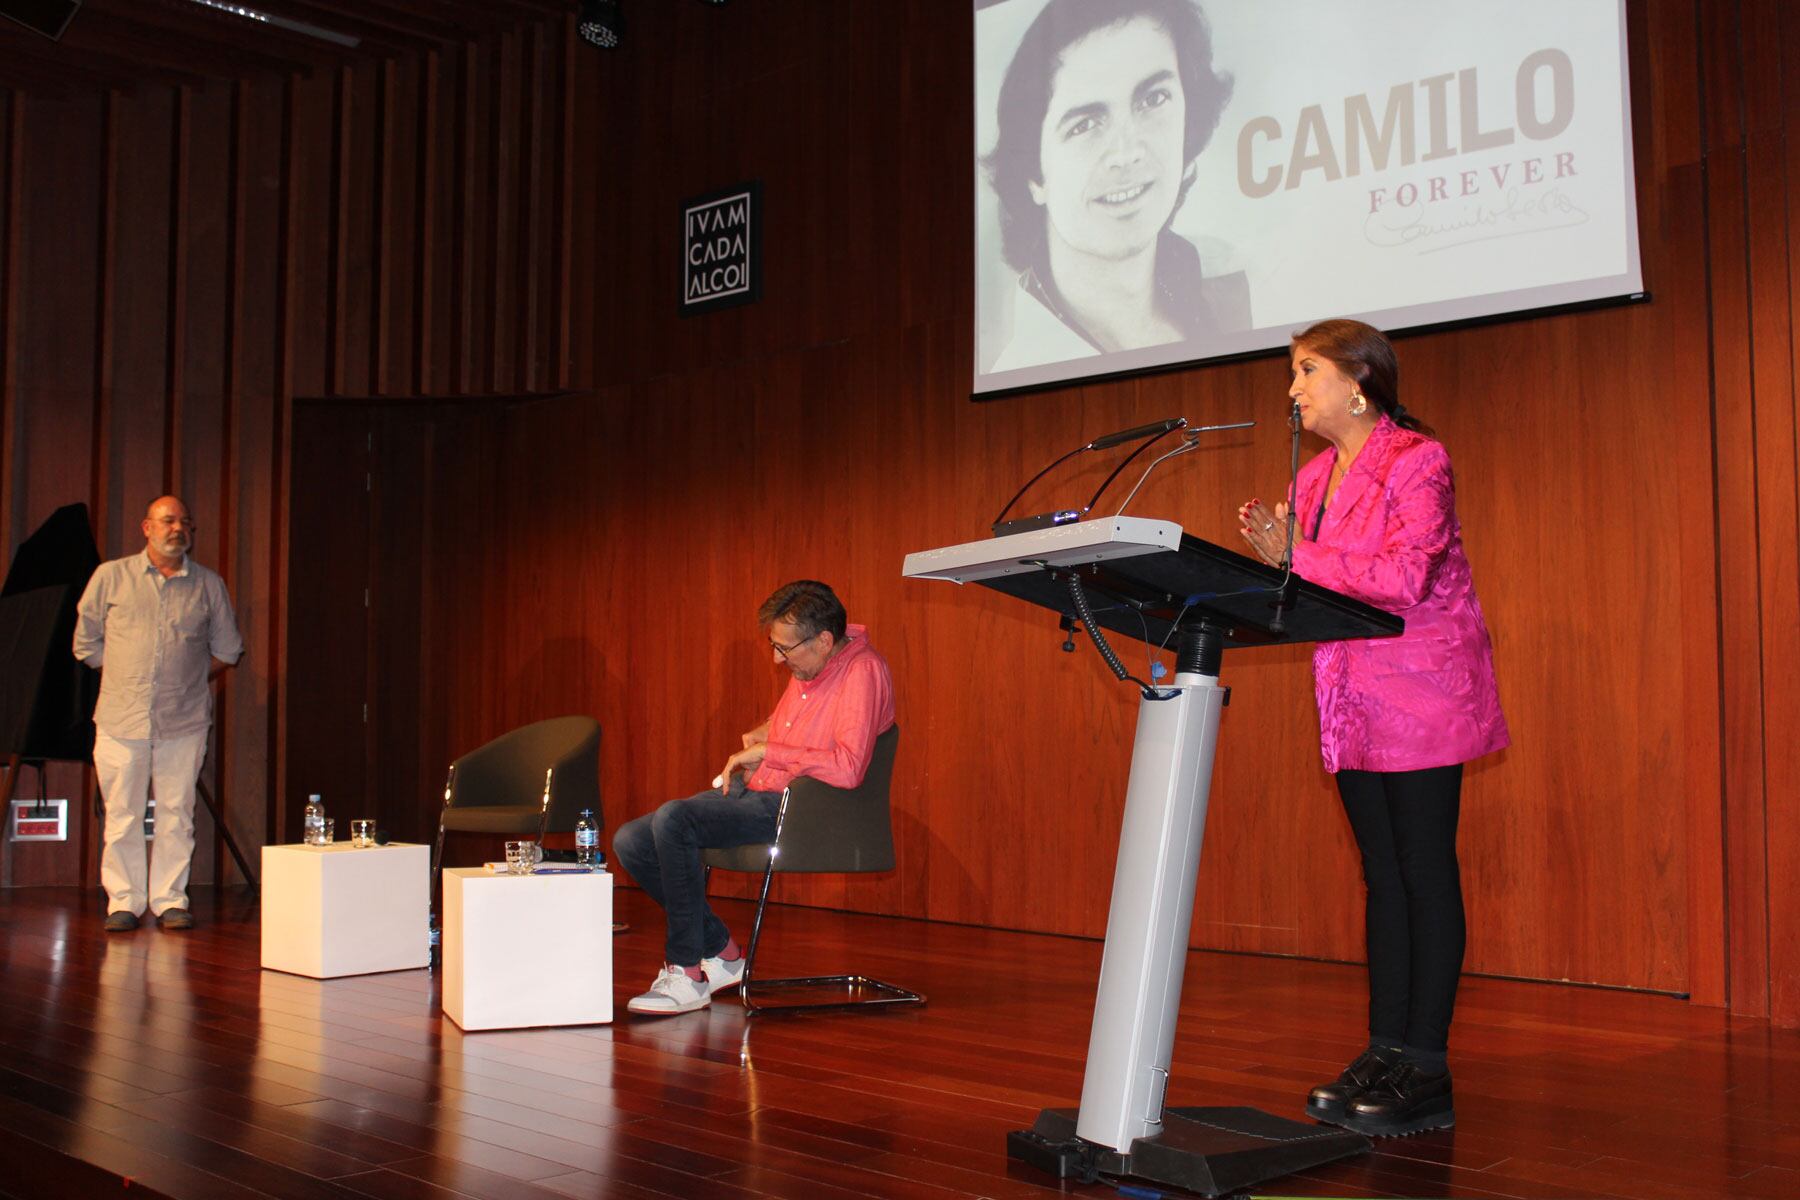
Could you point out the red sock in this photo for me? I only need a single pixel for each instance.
(732, 951)
(694, 973)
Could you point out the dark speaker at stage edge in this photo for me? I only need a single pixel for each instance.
(46, 697)
(48, 17)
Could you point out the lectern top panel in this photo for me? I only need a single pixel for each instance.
(1103, 540)
(1145, 578)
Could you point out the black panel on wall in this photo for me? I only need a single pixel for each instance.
(48, 17)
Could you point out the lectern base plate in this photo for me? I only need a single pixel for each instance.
(1211, 1151)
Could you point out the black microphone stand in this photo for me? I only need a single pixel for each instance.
(1153, 431)
(1285, 598)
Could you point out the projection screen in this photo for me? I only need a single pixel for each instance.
(1171, 181)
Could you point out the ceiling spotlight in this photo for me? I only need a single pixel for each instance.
(600, 23)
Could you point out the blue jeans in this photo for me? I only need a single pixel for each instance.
(662, 853)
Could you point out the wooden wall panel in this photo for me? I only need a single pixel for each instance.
(253, 390)
(326, 683)
(198, 455)
(397, 774)
(506, 214)
(438, 190)
(1778, 517)
(1769, 73)
(474, 220)
(1667, 119)
(140, 283)
(354, 233)
(1733, 386)
(402, 233)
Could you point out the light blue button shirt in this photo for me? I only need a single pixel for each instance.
(153, 639)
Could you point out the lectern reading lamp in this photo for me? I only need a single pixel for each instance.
(1145, 579)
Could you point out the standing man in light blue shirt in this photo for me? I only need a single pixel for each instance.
(159, 628)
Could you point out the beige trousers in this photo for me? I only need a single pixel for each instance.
(128, 768)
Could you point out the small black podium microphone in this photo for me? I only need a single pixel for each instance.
(1154, 429)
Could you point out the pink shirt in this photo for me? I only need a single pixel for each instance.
(825, 727)
(1391, 539)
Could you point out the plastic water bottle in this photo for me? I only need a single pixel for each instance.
(315, 821)
(587, 838)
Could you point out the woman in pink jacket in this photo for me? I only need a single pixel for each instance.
(1398, 717)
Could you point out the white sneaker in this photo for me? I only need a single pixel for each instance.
(721, 974)
(673, 992)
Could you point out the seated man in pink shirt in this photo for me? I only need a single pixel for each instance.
(839, 700)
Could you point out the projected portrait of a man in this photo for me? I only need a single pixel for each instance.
(1102, 116)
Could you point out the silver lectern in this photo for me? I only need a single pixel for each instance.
(1146, 579)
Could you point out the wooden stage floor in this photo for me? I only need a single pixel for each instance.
(173, 1061)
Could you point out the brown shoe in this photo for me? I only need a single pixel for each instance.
(1330, 1101)
(122, 921)
(1406, 1100)
(175, 918)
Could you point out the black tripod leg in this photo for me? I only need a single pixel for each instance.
(230, 842)
(11, 767)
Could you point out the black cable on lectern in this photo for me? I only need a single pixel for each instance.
(1085, 614)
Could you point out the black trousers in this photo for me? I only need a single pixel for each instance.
(1405, 825)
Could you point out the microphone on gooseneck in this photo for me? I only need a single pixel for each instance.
(1293, 496)
(1136, 433)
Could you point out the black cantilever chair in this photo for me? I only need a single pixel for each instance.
(823, 829)
(526, 783)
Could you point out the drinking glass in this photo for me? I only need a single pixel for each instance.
(330, 831)
(362, 833)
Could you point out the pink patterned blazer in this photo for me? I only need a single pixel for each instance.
(1391, 539)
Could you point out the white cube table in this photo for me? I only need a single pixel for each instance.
(525, 950)
(339, 910)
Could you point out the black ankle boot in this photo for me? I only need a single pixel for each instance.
(1329, 1101)
(1407, 1099)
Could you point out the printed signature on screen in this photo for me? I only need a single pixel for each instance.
(1432, 228)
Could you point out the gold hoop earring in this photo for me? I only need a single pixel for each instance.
(1359, 404)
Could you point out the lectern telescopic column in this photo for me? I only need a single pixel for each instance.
(1152, 901)
(1123, 1127)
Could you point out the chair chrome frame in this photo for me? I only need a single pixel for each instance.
(437, 850)
(891, 994)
